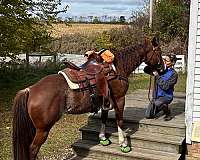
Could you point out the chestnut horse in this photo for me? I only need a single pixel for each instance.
(38, 107)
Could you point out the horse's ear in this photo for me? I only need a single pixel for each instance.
(155, 42)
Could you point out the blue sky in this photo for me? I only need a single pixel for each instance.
(101, 7)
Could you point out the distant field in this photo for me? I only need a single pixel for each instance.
(62, 29)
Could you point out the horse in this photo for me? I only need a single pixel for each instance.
(38, 107)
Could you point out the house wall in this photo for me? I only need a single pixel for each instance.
(192, 110)
(196, 110)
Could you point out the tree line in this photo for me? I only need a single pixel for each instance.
(170, 24)
(96, 19)
(24, 27)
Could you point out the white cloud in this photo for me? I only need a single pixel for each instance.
(107, 2)
(101, 7)
(115, 8)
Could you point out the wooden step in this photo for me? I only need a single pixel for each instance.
(92, 150)
(150, 139)
(80, 158)
(134, 120)
(154, 141)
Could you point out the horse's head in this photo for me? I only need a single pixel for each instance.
(153, 57)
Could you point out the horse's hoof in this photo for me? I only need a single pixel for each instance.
(105, 142)
(125, 149)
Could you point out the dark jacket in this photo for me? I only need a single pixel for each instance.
(165, 83)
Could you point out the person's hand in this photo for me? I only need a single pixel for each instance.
(155, 73)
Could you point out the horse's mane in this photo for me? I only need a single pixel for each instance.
(129, 58)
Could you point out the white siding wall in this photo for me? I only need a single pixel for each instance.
(196, 109)
(192, 108)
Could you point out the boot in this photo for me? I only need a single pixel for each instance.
(167, 113)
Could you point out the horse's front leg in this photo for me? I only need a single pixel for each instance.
(119, 109)
(102, 138)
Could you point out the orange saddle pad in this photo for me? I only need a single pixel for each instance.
(107, 56)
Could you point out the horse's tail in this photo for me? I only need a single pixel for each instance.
(23, 128)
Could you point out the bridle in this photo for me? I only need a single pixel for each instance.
(146, 60)
(157, 67)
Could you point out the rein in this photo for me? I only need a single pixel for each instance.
(149, 91)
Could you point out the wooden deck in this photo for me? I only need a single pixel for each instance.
(150, 139)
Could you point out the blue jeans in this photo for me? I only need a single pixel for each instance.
(160, 101)
(155, 106)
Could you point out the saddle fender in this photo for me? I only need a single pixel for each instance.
(101, 84)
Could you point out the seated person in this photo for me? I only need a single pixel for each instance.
(163, 91)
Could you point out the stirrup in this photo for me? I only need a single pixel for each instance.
(106, 108)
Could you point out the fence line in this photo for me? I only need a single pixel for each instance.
(79, 59)
(179, 66)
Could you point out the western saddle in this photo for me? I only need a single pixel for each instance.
(93, 77)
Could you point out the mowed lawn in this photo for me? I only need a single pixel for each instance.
(66, 131)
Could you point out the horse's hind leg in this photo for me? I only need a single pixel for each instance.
(38, 140)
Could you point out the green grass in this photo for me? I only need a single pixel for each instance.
(181, 83)
(141, 81)
(62, 135)
(138, 81)
(65, 131)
